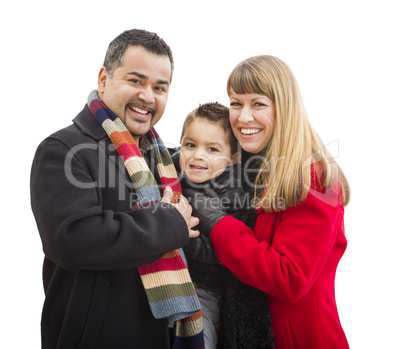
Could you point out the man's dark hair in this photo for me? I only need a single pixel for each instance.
(217, 114)
(134, 37)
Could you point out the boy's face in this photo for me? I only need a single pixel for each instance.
(205, 151)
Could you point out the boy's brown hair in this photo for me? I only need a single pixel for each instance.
(216, 114)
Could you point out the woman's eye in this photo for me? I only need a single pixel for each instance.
(234, 104)
(259, 104)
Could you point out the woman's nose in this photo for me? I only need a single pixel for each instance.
(246, 115)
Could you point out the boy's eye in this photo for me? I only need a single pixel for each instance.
(189, 145)
(212, 149)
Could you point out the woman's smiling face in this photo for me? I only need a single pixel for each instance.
(252, 117)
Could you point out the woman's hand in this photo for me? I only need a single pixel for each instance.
(207, 207)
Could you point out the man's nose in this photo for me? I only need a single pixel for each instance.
(147, 95)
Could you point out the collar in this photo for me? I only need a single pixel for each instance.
(89, 126)
(145, 143)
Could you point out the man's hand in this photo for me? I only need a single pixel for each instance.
(184, 208)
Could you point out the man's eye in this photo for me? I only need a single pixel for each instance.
(135, 81)
(160, 88)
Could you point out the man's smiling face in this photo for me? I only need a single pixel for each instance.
(137, 91)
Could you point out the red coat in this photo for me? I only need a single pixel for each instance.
(292, 256)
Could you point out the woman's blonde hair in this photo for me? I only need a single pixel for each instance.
(295, 152)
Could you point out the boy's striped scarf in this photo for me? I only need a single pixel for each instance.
(167, 283)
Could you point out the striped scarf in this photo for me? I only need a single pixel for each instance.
(167, 283)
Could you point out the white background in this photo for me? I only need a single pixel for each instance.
(346, 56)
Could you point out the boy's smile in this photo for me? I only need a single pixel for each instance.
(205, 151)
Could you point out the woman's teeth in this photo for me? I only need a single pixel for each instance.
(248, 131)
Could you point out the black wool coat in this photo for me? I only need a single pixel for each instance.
(93, 242)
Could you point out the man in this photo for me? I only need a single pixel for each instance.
(82, 199)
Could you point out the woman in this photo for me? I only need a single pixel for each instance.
(299, 193)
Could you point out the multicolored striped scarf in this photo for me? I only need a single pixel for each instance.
(167, 283)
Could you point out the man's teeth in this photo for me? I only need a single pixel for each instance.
(138, 110)
(248, 131)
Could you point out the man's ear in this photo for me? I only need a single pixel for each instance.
(102, 79)
(236, 158)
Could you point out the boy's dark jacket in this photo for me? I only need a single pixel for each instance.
(204, 267)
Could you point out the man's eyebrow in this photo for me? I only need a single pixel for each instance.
(142, 76)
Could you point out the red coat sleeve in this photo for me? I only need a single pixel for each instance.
(285, 259)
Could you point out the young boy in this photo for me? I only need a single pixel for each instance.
(208, 161)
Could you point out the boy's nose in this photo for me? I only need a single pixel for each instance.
(199, 155)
